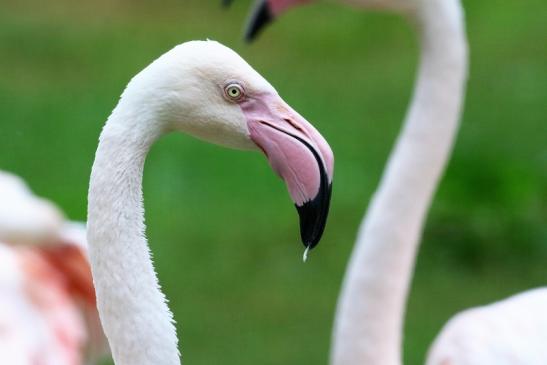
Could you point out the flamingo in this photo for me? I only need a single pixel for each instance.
(206, 90)
(369, 319)
(24, 217)
(47, 302)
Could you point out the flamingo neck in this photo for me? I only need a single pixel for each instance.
(369, 321)
(133, 310)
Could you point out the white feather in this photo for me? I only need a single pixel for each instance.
(24, 217)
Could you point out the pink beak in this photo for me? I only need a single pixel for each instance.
(298, 154)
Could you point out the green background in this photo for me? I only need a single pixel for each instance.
(221, 225)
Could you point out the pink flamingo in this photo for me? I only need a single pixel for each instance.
(48, 314)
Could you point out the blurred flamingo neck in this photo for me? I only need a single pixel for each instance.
(369, 322)
(133, 310)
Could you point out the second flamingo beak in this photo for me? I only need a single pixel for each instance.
(264, 12)
(299, 155)
(261, 15)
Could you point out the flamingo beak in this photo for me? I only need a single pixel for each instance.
(261, 15)
(264, 12)
(299, 155)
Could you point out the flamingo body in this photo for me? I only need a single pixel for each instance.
(40, 323)
(509, 332)
(47, 301)
(24, 217)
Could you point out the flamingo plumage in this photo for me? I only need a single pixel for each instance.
(24, 217)
(47, 302)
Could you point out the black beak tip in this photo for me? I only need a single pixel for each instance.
(313, 217)
(260, 17)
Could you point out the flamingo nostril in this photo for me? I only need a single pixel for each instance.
(295, 126)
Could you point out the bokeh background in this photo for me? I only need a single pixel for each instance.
(221, 226)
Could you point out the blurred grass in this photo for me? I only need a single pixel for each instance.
(223, 232)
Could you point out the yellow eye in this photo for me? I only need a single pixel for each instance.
(234, 91)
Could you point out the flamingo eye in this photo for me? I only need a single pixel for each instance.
(234, 92)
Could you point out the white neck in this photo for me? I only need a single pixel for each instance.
(133, 310)
(369, 322)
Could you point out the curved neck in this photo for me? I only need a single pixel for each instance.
(369, 322)
(133, 310)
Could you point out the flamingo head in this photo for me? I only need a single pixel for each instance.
(207, 90)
